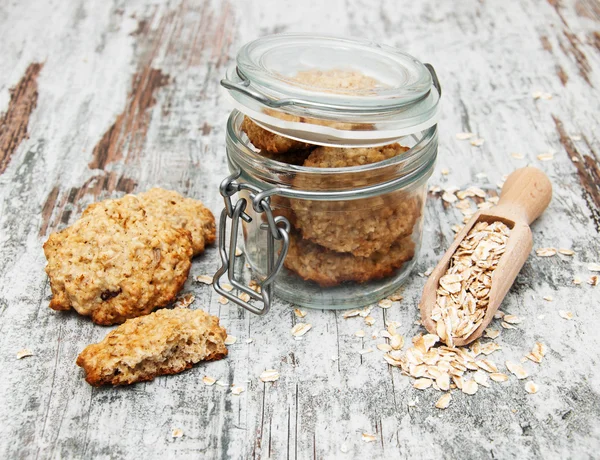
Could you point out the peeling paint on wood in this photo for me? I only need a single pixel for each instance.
(587, 170)
(130, 127)
(14, 122)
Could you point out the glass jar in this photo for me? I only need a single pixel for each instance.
(334, 221)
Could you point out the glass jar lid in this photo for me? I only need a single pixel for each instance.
(333, 91)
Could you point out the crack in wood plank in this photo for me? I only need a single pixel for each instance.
(14, 122)
(588, 171)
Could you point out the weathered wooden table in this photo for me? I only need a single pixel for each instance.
(103, 98)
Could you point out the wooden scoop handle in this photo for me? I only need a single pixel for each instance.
(525, 195)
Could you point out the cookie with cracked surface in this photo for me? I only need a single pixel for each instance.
(164, 342)
(361, 227)
(117, 262)
(329, 268)
(182, 212)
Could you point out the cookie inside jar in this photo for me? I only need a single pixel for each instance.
(344, 150)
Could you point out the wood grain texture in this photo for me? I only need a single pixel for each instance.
(108, 121)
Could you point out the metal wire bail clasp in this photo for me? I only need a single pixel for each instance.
(276, 228)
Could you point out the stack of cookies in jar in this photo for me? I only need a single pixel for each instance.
(333, 242)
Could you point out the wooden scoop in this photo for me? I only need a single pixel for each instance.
(525, 195)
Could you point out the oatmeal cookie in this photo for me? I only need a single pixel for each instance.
(266, 140)
(164, 342)
(329, 268)
(360, 227)
(182, 212)
(117, 262)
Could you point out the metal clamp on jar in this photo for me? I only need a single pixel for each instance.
(329, 148)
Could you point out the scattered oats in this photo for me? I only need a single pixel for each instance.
(385, 334)
(443, 381)
(335, 358)
(537, 354)
(531, 388)
(299, 313)
(204, 279)
(512, 319)
(577, 280)
(344, 448)
(566, 252)
(457, 228)
(244, 296)
(593, 280)
(565, 314)
(516, 369)
(574, 159)
(541, 95)
(366, 437)
(481, 378)
(477, 142)
(469, 387)
(351, 313)
(227, 287)
(463, 205)
(25, 352)
(270, 375)
(230, 340)
(499, 377)
(184, 300)
(479, 192)
(393, 325)
(487, 365)
(208, 381)
(492, 333)
(221, 383)
(177, 433)
(254, 286)
(412, 404)
(385, 303)
(435, 189)
(396, 296)
(493, 199)
(238, 252)
(541, 316)
(365, 312)
(489, 348)
(499, 314)
(545, 252)
(506, 325)
(223, 300)
(360, 333)
(445, 171)
(485, 205)
(364, 351)
(369, 320)
(594, 267)
(575, 137)
(444, 401)
(481, 175)
(518, 156)
(300, 329)
(449, 197)
(546, 156)
(429, 271)
(237, 390)
(397, 341)
(422, 384)
(548, 298)
(249, 340)
(464, 136)
(384, 347)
